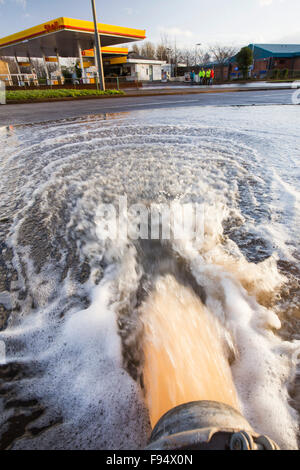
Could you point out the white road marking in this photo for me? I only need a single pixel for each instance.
(152, 103)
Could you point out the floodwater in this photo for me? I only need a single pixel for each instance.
(183, 356)
(82, 318)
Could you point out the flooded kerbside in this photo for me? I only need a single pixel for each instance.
(74, 308)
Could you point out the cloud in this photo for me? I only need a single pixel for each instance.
(128, 11)
(291, 38)
(265, 3)
(176, 32)
(23, 3)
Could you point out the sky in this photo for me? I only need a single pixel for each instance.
(230, 22)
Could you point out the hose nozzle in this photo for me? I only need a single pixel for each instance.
(206, 425)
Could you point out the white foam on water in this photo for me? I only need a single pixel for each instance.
(83, 379)
(264, 366)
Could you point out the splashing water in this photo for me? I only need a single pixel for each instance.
(184, 358)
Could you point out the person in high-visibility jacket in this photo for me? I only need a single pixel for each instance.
(212, 76)
(208, 75)
(201, 76)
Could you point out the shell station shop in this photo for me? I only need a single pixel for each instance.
(110, 56)
(63, 38)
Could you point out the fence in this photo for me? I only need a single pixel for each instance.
(116, 83)
(20, 79)
(121, 83)
(283, 74)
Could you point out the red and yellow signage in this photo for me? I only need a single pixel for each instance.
(88, 53)
(51, 59)
(55, 26)
(107, 50)
(88, 63)
(24, 64)
(118, 60)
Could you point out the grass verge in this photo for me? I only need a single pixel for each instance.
(31, 95)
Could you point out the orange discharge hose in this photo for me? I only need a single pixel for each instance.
(184, 357)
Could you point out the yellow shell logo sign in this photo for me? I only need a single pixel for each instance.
(52, 27)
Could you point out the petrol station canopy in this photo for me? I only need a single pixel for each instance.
(64, 37)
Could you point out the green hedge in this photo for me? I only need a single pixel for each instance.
(20, 95)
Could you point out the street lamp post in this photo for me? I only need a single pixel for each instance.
(98, 49)
(169, 59)
(253, 61)
(196, 45)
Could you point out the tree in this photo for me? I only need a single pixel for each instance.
(205, 58)
(148, 50)
(39, 67)
(187, 56)
(162, 52)
(135, 49)
(244, 59)
(67, 73)
(221, 55)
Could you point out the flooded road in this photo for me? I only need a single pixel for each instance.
(72, 305)
(41, 112)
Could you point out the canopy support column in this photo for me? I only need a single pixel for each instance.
(9, 79)
(59, 67)
(96, 65)
(33, 71)
(17, 64)
(46, 69)
(81, 64)
(18, 70)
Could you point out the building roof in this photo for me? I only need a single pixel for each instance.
(63, 35)
(262, 51)
(211, 64)
(133, 57)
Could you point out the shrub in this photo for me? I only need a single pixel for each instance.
(35, 95)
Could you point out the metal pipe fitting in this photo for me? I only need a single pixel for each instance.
(206, 425)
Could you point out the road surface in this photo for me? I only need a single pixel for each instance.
(39, 112)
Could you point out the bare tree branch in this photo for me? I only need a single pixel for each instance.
(221, 54)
